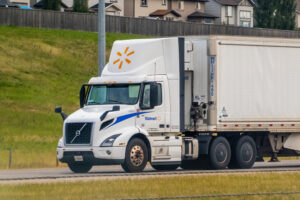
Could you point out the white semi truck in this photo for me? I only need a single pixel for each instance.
(195, 102)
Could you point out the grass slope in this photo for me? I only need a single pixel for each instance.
(161, 187)
(40, 69)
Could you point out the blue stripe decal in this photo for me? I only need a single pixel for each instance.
(124, 117)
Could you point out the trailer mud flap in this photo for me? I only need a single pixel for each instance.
(204, 141)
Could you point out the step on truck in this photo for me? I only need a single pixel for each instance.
(210, 102)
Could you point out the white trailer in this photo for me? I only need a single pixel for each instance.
(194, 102)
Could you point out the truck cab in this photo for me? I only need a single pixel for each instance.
(129, 115)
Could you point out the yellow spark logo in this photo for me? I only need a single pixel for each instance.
(126, 59)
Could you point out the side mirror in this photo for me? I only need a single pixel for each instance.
(115, 108)
(57, 110)
(82, 96)
(153, 95)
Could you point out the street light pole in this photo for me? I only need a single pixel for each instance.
(101, 36)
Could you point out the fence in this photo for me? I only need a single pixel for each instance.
(116, 24)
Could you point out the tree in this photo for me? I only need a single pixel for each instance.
(80, 6)
(51, 4)
(285, 15)
(277, 14)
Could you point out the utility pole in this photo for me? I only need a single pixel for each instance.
(101, 36)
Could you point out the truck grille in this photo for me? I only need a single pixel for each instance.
(78, 133)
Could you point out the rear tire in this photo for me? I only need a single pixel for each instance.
(165, 167)
(80, 167)
(245, 153)
(220, 153)
(136, 156)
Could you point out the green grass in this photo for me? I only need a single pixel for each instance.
(160, 187)
(41, 69)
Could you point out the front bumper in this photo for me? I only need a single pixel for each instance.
(95, 155)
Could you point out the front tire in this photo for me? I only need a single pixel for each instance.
(80, 167)
(220, 153)
(136, 156)
(245, 153)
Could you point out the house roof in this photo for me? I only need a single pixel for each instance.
(233, 2)
(159, 13)
(198, 14)
(107, 5)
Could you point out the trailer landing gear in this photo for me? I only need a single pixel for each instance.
(274, 158)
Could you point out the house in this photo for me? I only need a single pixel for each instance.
(298, 14)
(14, 3)
(170, 15)
(184, 10)
(110, 9)
(7, 3)
(232, 12)
(192, 10)
(67, 6)
(119, 3)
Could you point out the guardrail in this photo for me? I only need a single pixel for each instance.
(117, 24)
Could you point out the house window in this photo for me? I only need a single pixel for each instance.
(164, 2)
(245, 18)
(144, 2)
(245, 23)
(245, 15)
(198, 5)
(228, 11)
(181, 5)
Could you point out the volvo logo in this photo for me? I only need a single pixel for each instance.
(78, 132)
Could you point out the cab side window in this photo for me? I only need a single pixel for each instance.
(159, 95)
(147, 98)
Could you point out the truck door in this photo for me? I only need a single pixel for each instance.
(153, 119)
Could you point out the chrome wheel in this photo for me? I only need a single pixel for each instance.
(136, 155)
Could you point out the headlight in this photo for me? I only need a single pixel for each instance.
(60, 143)
(109, 141)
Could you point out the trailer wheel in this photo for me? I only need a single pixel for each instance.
(220, 153)
(80, 167)
(136, 156)
(165, 167)
(245, 152)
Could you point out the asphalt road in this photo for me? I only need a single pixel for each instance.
(116, 171)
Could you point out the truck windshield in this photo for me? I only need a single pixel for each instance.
(114, 94)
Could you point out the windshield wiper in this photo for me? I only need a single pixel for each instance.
(115, 101)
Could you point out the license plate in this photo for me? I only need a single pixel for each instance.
(78, 158)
